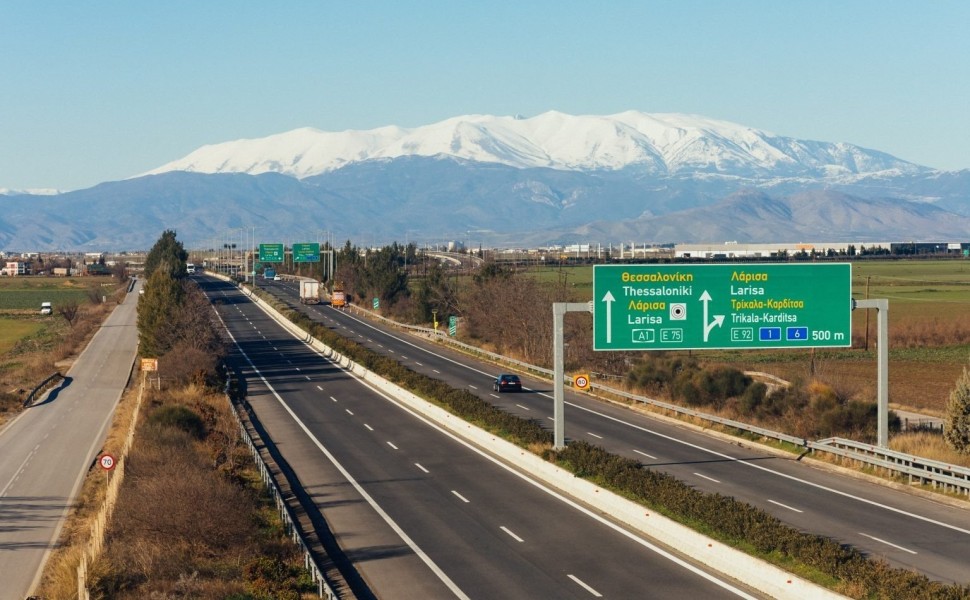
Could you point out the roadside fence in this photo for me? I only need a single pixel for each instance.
(99, 528)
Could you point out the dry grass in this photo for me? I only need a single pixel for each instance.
(928, 445)
(160, 544)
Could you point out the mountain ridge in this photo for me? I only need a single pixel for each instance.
(633, 177)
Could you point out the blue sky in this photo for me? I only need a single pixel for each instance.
(100, 91)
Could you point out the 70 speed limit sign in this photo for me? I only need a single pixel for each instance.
(581, 382)
(107, 462)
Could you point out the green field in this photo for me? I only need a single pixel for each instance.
(13, 330)
(26, 293)
(901, 281)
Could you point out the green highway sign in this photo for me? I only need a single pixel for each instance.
(306, 253)
(271, 253)
(697, 307)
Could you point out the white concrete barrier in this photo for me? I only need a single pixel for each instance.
(756, 573)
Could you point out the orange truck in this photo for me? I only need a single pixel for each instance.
(338, 299)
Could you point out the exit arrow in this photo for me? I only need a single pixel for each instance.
(718, 319)
(609, 299)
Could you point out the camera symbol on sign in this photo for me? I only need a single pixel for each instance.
(678, 311)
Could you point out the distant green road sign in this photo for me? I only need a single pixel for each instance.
(681, 307)
(452, 326)
(306, 253)
(271, 253)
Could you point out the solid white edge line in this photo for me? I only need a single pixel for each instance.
(752, 465)
(360, 490)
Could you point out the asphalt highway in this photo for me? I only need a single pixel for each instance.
(46, 451)
(907, 530)
(420, 513)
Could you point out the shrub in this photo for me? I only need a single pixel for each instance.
(957, 425)
(181, 418)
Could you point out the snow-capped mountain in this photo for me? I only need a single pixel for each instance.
(653, 144)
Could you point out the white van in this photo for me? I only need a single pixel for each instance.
(46, 308)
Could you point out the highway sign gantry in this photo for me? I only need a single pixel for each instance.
(273, 253)
(306, 253)
(682, 307)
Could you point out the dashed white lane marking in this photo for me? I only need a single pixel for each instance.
(888, 543)
(707, 478)
(585, 586)
(785, 506)
(645, 454)
(392, 446)
(512, 535)
(460, 497)
(418, 465)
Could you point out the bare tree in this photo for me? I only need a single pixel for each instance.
(70, 311)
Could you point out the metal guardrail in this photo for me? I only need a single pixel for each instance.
(949, 478)
(41, 388)
(289, 520)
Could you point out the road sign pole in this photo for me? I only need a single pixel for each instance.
(882, 370)
(559, 310)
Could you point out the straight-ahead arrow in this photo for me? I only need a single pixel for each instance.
(609, 299)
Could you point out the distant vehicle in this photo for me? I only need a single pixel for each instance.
(46, 308)
(277, 278)
(338, 299)
(190, 268)
(269, 274)
(309, 291)
(507, 383)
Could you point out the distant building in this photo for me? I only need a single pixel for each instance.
(730, 250)
(15, 268)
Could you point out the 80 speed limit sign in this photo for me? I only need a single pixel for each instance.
(581, 382)
(107, 462)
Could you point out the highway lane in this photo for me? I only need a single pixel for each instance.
(907, 530)
(47, 450)
(421, 513)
